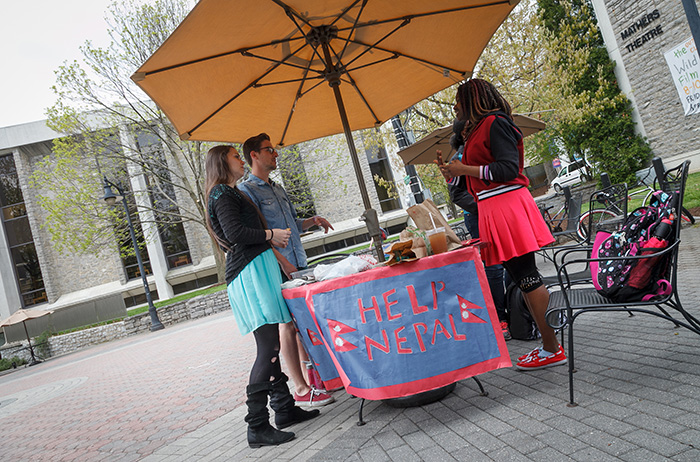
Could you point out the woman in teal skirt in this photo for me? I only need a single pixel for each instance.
(253, 279)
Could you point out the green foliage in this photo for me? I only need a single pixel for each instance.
(113, 130)
(593, 117)
(41, 344)
(10, 363)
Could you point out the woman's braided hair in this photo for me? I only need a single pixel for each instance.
(480, 98)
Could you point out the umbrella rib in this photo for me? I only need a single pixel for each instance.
(371, 47)
(281, 82)
(404, 55)
(283, 63)
(364, 100)
(247, 87)
(352, 29)
(242, 51)
(421, 15)
(294, 105)
(292, 14)
(379, 61)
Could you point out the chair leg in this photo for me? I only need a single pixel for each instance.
(570, 356)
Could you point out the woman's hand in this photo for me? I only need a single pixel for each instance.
(280, 237)
(453, 169)
(441, 165)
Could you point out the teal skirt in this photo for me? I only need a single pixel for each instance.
(256, 296)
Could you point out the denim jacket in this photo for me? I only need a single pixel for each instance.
(273, 202)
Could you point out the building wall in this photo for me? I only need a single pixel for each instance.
(643, 31)
(68, 271)
(332, 178)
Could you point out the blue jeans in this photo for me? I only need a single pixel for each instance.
(494, 273)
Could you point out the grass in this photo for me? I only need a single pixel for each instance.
(179, 298)
(691, 199)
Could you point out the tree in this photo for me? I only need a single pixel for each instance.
(113, 130)
(593, 116)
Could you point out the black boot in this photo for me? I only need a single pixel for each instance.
(260, 432)
(282, 402)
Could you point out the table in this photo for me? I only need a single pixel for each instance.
(397, 331)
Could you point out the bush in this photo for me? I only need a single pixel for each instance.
(41, 344)
(10, 363)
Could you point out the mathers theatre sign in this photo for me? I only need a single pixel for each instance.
(647, 25)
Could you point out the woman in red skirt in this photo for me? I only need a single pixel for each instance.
(509, 220)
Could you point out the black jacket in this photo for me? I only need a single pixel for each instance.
(236, 221)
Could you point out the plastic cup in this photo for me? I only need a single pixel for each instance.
(438, 240)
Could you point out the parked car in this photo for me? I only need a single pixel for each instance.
(571, 174)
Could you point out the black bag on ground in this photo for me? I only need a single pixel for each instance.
(521, 324)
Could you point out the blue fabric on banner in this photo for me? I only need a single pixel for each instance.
(413, 326)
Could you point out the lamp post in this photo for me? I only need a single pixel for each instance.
(110, 198)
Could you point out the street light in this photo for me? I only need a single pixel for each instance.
(110, 198)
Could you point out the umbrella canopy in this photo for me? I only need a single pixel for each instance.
(234, 69)
(23, 315)
(423, 151)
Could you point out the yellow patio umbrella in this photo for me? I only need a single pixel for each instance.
(24, 315)
(423, 151)
(303, 69)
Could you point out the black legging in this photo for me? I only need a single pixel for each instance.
(523, 271)
(266, 367)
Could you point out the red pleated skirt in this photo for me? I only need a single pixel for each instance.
(512, 225)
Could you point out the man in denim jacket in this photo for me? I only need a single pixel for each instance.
(273, 202)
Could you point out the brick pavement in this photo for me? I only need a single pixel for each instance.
(176, 395)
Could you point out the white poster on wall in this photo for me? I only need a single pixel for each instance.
(685, 71)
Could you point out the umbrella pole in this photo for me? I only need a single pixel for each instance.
(372, 224)
(370, 215)
(29, 340)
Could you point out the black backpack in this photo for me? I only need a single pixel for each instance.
(521, 324)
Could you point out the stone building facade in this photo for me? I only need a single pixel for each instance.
(86, 288)
(638, 33)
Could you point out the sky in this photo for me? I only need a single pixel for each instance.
(36, 37)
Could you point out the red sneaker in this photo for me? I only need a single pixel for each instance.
(534, 362)
(313, 398)
(536, 351)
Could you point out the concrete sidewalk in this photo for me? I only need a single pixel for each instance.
(177, 394)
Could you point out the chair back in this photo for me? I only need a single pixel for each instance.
(611, 204)
(673, 180)
(574, 215)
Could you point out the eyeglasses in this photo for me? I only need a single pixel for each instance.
(270, 150)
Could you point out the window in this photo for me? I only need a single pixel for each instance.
(167, 213)
(19, 235)
(379, 166)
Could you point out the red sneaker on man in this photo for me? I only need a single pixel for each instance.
(313, 398)
(505, 330)
(537, 361)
